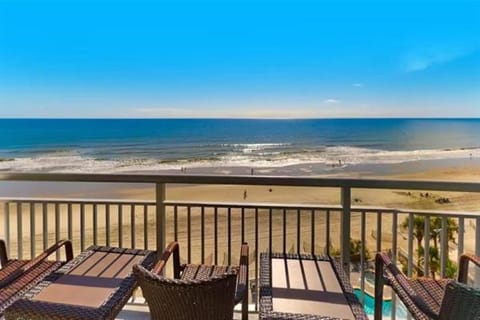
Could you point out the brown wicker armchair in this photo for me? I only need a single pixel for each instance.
(428, 298)
(18, 276)
(196, 291)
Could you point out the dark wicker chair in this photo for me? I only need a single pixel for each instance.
(18, 276)
(196, 291)
(428, 298)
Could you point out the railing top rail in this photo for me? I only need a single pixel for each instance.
(461, 186)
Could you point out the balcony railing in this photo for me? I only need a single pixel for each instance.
(211, 232)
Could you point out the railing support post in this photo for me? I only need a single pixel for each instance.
(160, 195)
(345, 228)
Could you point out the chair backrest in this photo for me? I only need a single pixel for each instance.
(460, 302)
(182, 299)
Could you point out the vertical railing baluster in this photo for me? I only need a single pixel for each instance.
(362, 256)
(379, 231)
(57, 227)
(284, 231)
(132, 226)
(345, 228)
(82, 226)
(215, 234)
(394, 236)
(444, 245)
(7, 225)
(45, 225)
(394, 256)
(426, 251)
(410, 245)
(243, 225)
(327, 232)
(477, 249)
(298, 230)
(256, 256)
(107, 224)
(461, 237)
(160, 196)
(32, 230)
(270, 230)
(175, 223)
(120, 225)
(94, 225)
(312, 240)
(19, 230)
(69, 222)
(202, 234)
(145, 226)
(189, 234)
(229, 236)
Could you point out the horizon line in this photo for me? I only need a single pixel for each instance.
(238, 118)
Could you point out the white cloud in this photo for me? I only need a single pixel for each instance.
(424, 59)
(358, 85)
(331, 101)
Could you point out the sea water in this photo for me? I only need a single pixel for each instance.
(140, 145)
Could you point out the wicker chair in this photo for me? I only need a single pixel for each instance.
(197, 291)
(18, 276)
(428, 298)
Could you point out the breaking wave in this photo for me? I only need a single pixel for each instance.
(220, 155)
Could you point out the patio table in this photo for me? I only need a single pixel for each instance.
(94, 285)
(303, 286)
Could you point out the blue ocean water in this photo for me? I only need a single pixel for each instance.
(121, 145)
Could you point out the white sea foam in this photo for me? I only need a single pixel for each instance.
(251, 155)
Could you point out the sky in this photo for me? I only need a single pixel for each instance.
(245, 59)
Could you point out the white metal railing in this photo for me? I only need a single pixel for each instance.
(208, 230)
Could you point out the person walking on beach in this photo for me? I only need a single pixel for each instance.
(244, 194)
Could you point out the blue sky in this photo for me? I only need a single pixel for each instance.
(273, 59)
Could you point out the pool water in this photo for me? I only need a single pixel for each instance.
(369, 306)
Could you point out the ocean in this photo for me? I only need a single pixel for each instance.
(156, 145)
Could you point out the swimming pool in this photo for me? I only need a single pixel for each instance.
(369, 306)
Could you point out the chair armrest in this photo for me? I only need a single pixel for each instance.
(38, 259)
(463, 269)
(174, 248)
(242, 276)
(54, 248)
(3, 253)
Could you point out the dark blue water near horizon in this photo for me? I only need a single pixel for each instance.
(142, 143)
